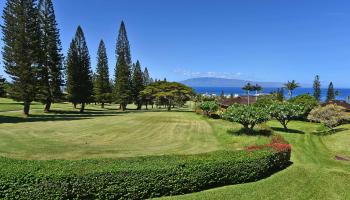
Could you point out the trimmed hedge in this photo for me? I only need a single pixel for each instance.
(136, 178)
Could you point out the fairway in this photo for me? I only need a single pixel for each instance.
(109, 135)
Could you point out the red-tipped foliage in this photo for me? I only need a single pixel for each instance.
(277, 143)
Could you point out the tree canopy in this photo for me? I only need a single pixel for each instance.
(168, 93)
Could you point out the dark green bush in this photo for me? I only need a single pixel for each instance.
(135, 178)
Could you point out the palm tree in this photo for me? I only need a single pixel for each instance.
(257, 88)
(248, 88)
(290, 86)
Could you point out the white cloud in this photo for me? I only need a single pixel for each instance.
(192, 74)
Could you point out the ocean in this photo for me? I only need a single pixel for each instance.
(343, 93)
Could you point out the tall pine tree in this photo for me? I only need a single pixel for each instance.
(51, 78)
(122, 70)
(102, 85)
(21, 51)
(122, 83)
(146, 77)
(79, 74)
(330, 92)
(317, 88)
(137, 85)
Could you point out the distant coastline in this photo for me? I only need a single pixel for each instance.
(343, 92)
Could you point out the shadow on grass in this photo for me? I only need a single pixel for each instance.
(330, 132)
(248, 132)
(56, 115)
(279, 129)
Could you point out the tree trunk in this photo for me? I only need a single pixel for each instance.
(47, 105)
(26, 108)
(248, 98)
(146, 106)
(123, 106)
(139, 106)
(75, 105)
(102, 105)
(246, 126)
(169, 107)
(285, 127)
(82, 107)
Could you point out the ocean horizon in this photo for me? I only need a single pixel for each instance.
(344, 93)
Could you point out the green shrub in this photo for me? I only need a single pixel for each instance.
(284, 112)
(209, 107)
(247, 115)
(307, 101)
(265, 101)
(135, 178)
(330, 115)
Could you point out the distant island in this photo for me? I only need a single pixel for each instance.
(225, 82)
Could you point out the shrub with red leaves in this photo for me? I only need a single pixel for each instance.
(277, 143)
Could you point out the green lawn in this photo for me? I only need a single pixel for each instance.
(108, 133)
(66, 134)
(315, 174)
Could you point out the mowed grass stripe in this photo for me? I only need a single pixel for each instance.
(314, 174)
(113, 135)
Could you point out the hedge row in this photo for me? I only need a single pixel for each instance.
(136, 178)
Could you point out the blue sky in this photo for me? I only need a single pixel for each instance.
(262, 40)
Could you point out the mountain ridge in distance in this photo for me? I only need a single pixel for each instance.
(226, 82)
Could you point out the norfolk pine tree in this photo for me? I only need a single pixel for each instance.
(122, 70)
(317, 88)
(122, 83)
(21, 51)
(51, 78)
(137, 85)
(330, 92)
(103, 88)
(79, 74)
(146, 77)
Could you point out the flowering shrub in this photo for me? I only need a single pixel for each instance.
(277, 143)
(330, 115)
(247, 115)
(284, 112)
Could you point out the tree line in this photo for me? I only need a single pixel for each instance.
(290, 86)
(33, 60)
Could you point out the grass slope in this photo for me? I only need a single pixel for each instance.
(315, 174)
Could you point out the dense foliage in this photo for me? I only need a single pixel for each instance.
(266, 101)
(137, 84)
(247, 115)
(330, 115)
(136, 178)
(330, 92)
(284, 112)
(169, 94)
(122, 76)
(79, 74)
(50, 71)
(2, 87)
(307, 101)
(22, 50)
(209, 107)
(102, 86)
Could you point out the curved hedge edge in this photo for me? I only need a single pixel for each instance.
(185, 176)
